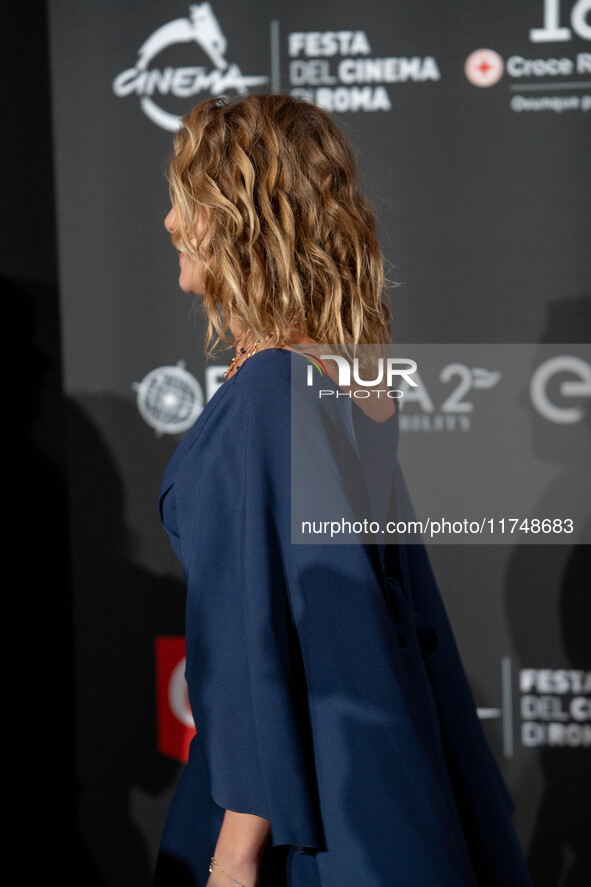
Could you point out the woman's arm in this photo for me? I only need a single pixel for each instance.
(239, 848)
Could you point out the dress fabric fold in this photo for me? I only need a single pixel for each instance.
(324, 680)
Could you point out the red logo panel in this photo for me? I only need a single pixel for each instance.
(176, 727)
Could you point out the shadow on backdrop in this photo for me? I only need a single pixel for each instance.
(120, 608)
(548, 605)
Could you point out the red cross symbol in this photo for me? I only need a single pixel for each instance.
(484, 67)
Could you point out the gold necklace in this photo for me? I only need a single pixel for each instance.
(245, 353)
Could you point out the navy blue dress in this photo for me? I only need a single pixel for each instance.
(324, 680)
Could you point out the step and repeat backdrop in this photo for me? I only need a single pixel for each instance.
(471, 121)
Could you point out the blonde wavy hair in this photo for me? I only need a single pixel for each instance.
(289, 244)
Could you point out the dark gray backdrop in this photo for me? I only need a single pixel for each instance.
(483, 213)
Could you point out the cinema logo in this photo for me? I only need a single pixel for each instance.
(555, 707)
(217, 78)
(336, 70)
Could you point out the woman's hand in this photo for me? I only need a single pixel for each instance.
(239, 849)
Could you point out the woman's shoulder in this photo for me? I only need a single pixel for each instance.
(262, 385)
(271, 366)
(258, 393)
(270, 392)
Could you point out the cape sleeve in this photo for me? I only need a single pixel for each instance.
(378, 779)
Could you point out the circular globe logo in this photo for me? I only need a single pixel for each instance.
(169, 399)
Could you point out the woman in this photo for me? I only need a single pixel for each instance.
(337, 739)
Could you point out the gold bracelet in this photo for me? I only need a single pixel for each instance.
(218, 866)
